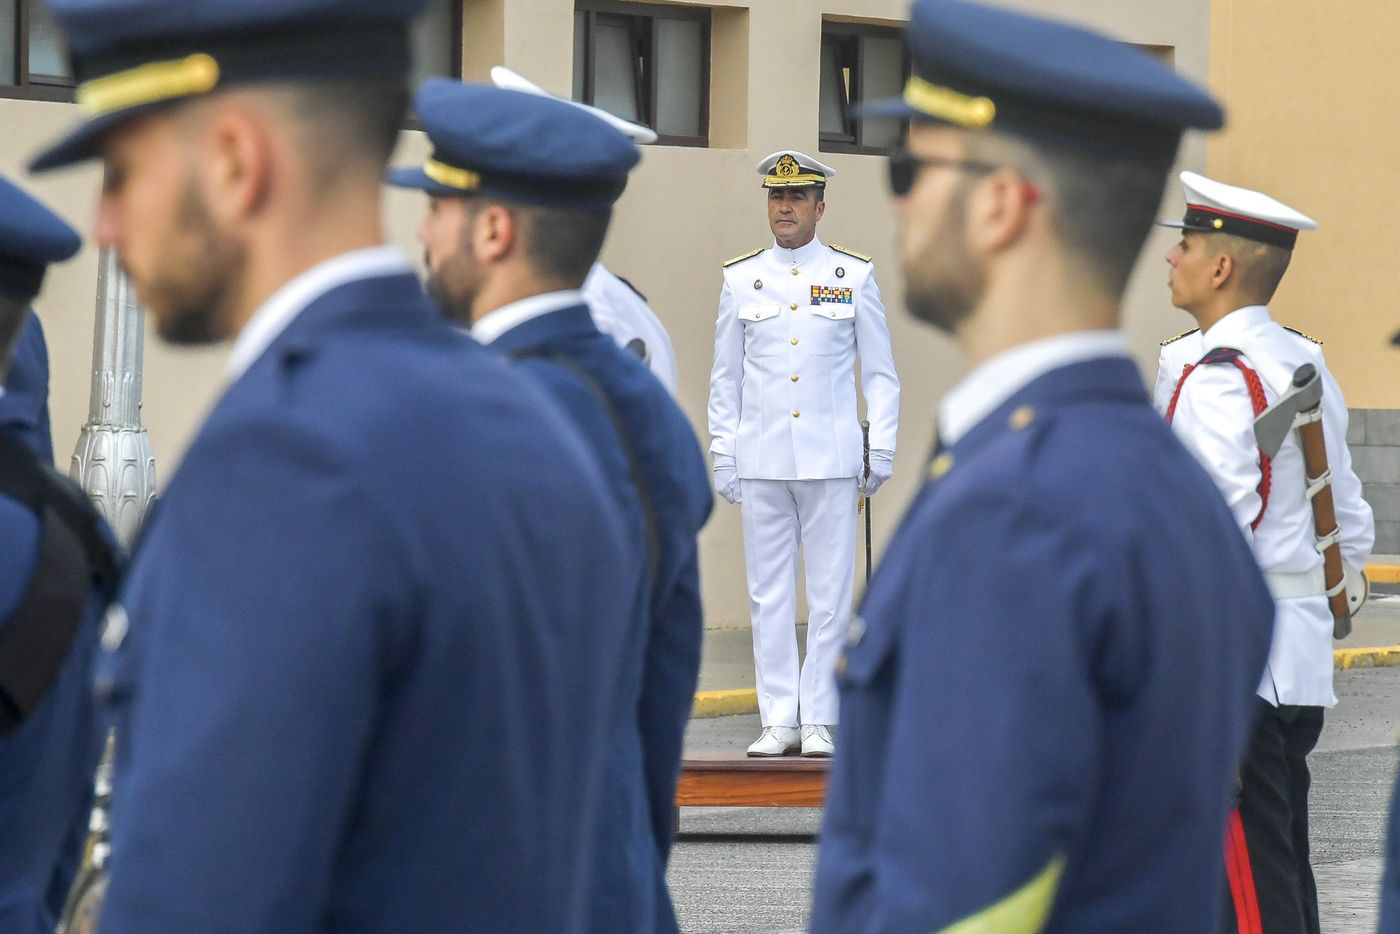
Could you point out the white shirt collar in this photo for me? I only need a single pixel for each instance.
(1233, 324)
(1002, 376)
(495, 323)
(800, 255)
(279, 311)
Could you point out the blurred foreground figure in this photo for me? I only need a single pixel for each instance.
(1047, 691)
(57, 569)
(371, 633)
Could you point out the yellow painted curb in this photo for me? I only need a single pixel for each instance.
(1381, 656)
(724, 703)
(1383, 573)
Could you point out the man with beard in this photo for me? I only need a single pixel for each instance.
(57, 569)
(619, 310)
(343, 699)
(793, 321)
(521, 188)
(1049, 685)
(1236, 245)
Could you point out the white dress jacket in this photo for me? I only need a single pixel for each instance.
(792, 325)
(1214, 418)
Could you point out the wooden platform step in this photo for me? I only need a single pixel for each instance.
(728, 778)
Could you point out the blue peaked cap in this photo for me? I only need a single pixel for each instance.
(982, 67)
(31, 237)
(517, 147)
(133, 56)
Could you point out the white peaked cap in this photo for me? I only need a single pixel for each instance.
(503, 77)
(1215, 207)
(788, 168)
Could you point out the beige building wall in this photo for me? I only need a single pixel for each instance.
(685, 211)
(1310, 89)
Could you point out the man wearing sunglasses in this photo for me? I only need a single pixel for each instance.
(1049, 684)
(793, 320)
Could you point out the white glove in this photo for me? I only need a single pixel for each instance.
(727, 478)
(881, 469)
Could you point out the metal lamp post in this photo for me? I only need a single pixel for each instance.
(114, 462)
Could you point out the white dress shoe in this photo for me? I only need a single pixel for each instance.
(775, 741)
(816, 741)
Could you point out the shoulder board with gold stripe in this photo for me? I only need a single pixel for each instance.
(1173, 340)
(860, 256)
(1306, 337)
(741, 258)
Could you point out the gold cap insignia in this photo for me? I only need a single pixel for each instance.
(947, 104)
(787, 173)
(1217, 223)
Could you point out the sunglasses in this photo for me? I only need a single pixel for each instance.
(904, 168)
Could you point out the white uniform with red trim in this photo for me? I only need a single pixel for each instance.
(1214, 418)
(1176, 354)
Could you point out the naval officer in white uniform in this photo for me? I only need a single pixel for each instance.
(618, 309)
(793, 320)
(1235, 247)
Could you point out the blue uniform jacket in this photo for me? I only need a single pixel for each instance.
(24, 407)
(1045, 704)
(662, 660)
(47, 764)
(374, 631)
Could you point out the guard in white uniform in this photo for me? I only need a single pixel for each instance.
(1235, 248)
(618, 309)
(793, 320)
(1176, 355)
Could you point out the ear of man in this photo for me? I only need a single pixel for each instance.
(495, 232)
(999, 210)
(237, 159)
(1222, 272)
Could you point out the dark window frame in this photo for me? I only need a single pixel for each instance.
(458, 25)
(641, 21)
(850, 34)
(28, 86)
(411, 121)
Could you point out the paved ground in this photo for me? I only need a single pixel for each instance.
(740, 870)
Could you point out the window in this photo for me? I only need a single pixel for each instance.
(33, 59)
(860, 63)
(437, 41)
(647, 64)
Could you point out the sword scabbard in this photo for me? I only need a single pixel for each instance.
(1324, 512)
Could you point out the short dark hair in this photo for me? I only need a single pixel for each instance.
(1260, 266)
(347, 124)
(562, 243)
(1101, 208)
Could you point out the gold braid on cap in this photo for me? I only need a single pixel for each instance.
(947, 104)
(451, 175)
(149, 84)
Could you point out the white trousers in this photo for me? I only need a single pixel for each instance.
(779, 515)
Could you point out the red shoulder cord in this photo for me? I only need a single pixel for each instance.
(1257, 399)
